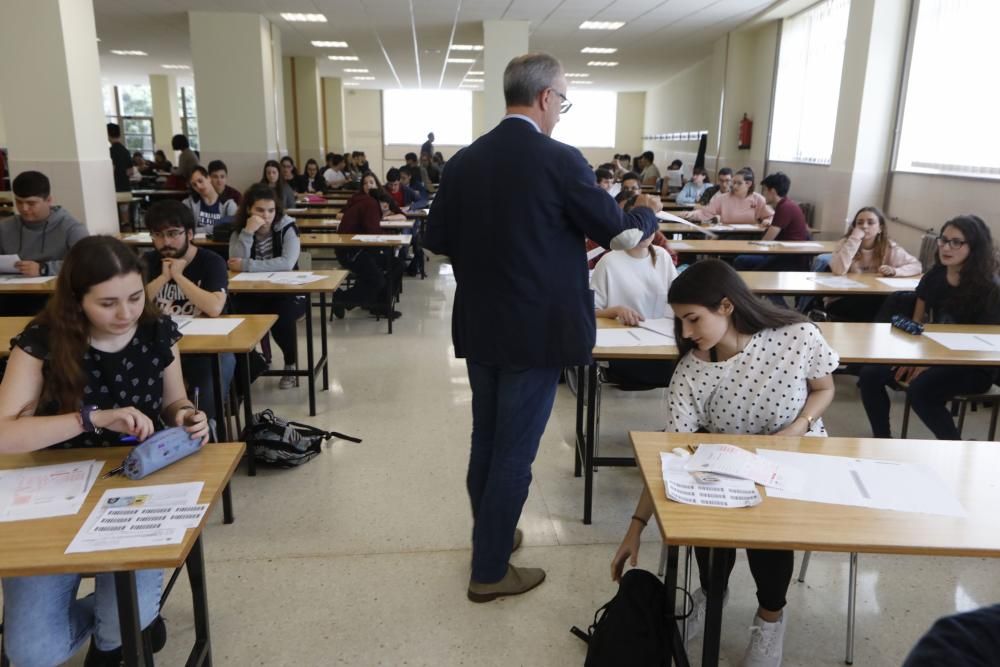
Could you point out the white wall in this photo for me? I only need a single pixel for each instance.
(363, 125)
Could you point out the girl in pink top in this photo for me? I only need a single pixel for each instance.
(741, 205)
(867, 248)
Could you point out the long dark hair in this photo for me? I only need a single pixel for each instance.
(254, 194)
(708, 282)
(281, 185)
(976, 282)
(91, 261)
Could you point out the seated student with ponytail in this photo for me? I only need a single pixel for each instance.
(961, 288)
(66, 385)
(749, 367)
(267, 240)
(867, 248)
(631, 286)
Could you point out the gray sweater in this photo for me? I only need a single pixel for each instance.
(285, 248)
(43, 242)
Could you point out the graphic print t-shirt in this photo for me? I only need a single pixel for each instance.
(207, 270)
(209, 216)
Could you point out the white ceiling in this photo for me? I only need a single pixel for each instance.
(660, 38)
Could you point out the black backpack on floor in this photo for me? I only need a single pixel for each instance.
(286, 444)
(633, 629)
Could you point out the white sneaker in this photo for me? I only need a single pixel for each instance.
(288, 381)
(766, 643)
(696, 621)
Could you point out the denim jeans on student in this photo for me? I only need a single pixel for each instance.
(510, 407)
(45, 623)
(929, 394)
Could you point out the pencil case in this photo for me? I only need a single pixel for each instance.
(907, 325)
(158, 451)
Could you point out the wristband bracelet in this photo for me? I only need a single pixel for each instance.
(640, 520)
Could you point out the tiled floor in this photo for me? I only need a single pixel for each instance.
(361, 557)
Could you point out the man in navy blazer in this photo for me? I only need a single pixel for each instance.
(523, 305)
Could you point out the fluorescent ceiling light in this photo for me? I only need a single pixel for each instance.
(175, 66)
(461, 61)
(466, 47)
(363, 78)
(601, 25)
(342, 57)
(581, 83)
(119, 52)
(334, 45)
(597, 49)
(351, 83)
(355, 70)
(305, 18)
(473, 81)
(577, 75)
(471, 73)
(601, 63)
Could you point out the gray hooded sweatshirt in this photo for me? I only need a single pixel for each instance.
(43, 242)
(285, 247)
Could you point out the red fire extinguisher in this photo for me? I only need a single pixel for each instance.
(746, 131)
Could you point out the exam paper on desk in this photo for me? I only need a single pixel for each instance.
(7, 263)
(207, 326)
(841, 480)
(966, 342)
(40, 492)
(900, 283)
(709, 490)
(839, 281)
(633, 337)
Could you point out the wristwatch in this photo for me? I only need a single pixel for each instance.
(85, 414)
(43, 269)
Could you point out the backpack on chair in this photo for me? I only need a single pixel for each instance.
(633, 629)
(286, 444)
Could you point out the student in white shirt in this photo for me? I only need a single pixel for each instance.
(747, 366)
(631, 286)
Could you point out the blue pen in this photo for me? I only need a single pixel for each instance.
(129, 438)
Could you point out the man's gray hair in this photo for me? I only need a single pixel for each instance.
(528, 75)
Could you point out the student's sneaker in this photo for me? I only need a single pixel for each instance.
(766, 643)
(288, 381)
(696, 621)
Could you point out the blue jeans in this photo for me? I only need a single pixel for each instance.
(510, 407)
(45, 624)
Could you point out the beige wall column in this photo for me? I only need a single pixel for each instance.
(288, 103)
(332, 89)
(166, 112)
(502, 41)
(238, 82)
(309, 119)
(65, 137)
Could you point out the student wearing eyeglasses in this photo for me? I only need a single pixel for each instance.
(962, 288)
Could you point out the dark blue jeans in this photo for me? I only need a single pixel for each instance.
(510, 407)
(929, 395)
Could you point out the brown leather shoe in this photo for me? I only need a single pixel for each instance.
(517, 580)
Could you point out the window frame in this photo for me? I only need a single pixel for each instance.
(120, 119)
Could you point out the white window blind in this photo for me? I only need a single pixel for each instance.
(592, 120)
(807, 91)
(409, 115)
(949, 115)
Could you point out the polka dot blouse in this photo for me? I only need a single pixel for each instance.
(758, 391)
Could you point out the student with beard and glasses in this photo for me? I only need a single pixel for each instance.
(187, 281)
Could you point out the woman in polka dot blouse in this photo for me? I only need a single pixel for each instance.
(747, 366)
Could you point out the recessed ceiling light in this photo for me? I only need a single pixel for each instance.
(119, 52)
(334, 45)
(363, 78)
(601, 25)
(175, 66)
(342, 57)
(602, 63)
(577, 75)
(466, 47)
(473, 81)
(354, 70)
(306, 18)
(594, 49)
(471, 73)
(460, 61)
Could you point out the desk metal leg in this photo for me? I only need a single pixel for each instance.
(310, 357)
(588, 452)
(578, 450)
(201, 654)
(388, 285)
(135, 652)
(244, 375)
(677, 649)
(713, 610)
(852, 595)
(323, 346)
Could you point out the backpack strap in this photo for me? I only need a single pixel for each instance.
(326, 435)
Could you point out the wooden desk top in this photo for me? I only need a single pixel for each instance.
(731, 247)
(147, 192)
(324, 211)
(243, 338)
(968, 468)
(718, 230)
(862, 342)
(805, 282)
(670, 205)
(310, 205)
(37, 547)
(48, 287)
(330, 223)
(331, 281)
(306, 241)
(646, 352)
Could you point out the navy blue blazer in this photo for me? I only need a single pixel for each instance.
(512, 212)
